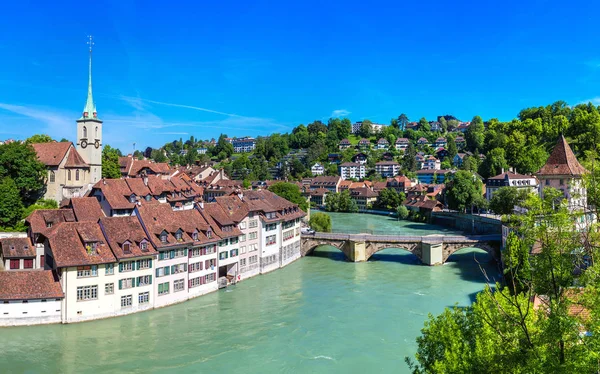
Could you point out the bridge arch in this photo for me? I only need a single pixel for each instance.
(375, 247)
(492, 249)
(405, 255)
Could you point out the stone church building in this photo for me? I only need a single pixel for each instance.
(72, 171)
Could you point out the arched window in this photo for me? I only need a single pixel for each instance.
(96, 132)
(52, 176)
(69, 174)
(77, 174)
(84, 132)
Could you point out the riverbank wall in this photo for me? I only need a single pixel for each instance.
(470, 223)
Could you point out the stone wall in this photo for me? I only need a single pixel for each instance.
(469, 223)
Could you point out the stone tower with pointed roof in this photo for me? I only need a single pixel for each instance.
(89, 131)
(563, 172)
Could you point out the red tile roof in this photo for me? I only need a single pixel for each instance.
(86, 209)
(121, 230)
(562, 161)
(116, 192)
(17, 248)
(42, 221)
(68, 243)
(159, 218)
(74, 160)
(29, 285)
(52, 154)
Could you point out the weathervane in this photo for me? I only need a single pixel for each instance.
(90, 42)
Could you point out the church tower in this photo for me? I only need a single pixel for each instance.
(89, 131)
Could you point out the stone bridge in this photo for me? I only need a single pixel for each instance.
(431, 250)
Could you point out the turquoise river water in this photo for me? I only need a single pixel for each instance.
(320, 314)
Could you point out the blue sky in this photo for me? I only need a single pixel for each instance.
(164, 70)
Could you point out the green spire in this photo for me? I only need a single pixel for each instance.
(89, 111)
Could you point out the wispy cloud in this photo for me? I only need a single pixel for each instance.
(140, 101)
(52, 122)
(593, 100)
(340, 113)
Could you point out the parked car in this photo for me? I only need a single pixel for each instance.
(307, 230)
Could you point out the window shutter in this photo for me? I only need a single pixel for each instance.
(150, 263)
(189, 254)
(172, 253)
(190, 268)
(120, 284)
(120, 267)
(172, 269)
(160, 255)
(167, 270)
(200, 263)
(206, 263)
(133, 265)
(150, 279)
(190, 283)
(138, 281)
(185, 252)
(137, 265)
(157, 272)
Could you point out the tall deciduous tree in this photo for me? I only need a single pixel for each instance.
(493, 164)
(110, 163)
(320, 222)
(290, 192)
(39, 138)
(20, 163)
(11, 206)
(463, 191)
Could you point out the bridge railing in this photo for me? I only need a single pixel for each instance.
(382, 235)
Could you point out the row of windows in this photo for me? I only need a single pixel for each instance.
(16, 264)
(208, 250)
(173, 269)
(270, 227)
(195, 282)
(271, 239)
(173, 253)
(178, 285)
(253, 235)
(287, 235)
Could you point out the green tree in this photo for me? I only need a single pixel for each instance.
(290, 192)
(409, 161)
(389, 199)
(110, 163)
(403, 121)
(424, 125)
(19, 162)
(340, 202)
(366, 129)
(320, 222)
(474, 135)
(463, 191)
(158, 155)
(223, 149)
(401, 212)
(40, 204)
(39, 138)
(493, 164)
(505, 199)
(451, 147)
(11, 206)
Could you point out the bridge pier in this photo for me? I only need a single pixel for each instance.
(356, 251)
(432, 253)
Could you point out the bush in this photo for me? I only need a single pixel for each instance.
(320, 222)
(402, 212)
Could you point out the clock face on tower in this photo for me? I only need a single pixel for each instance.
(97, 144)
(84, 143)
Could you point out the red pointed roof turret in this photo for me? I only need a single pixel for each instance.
(562, 161)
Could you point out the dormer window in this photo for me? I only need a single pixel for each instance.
(148, 197)
(48, 224)
(179, 235)
(163, 237)
(91, 248)
(209, 234)
(144, 245)
(132, 198)
(126, 247)
(195, 235)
